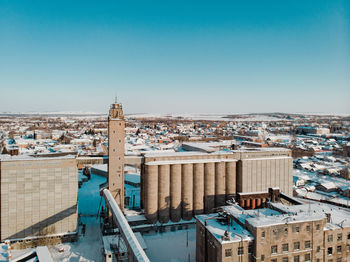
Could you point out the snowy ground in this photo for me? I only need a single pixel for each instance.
(88, 247)
(171, 246)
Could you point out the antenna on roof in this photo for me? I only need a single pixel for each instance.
(115, 99)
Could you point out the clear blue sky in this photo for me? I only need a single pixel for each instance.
(175, 56)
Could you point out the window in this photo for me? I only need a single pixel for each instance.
(262, 258)
(339, 237)
(339, 259)
(307, 244)
(297, 229)
(318, 260)
(250, 249)
(240, 251)
(318, 226)
(330, 238)
(318, 249)
(296, 245)
(330, 251)
(285, 259)
(348, 248)
(285, 247)
(273, 249)
(330, 260)
(286, 231)
(307, 228)
(339, 249)
(307, 257)
(263, 234)
(349, 236)
(275, 232)
(228, 252)
(273, 260)
(296, 258)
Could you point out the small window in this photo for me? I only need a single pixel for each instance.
(286, 231)
(275, 231)
(330, 260)
(240, 251)
(339, 237)
(228, 252)
(273, 249)
(307, 257)
(330, 238)
(273, 260)
(349, 236)
(285, 259)
(296, 245)
(263, 234)
(285, 247)
(250, 249)
(318, 249)
(339, 259)
(339, 248)
(262, 257)
(318, 226)
(307, 228)
(348, 248)
(297, 229)
(296, 259)
(330, 251)
(307, 244)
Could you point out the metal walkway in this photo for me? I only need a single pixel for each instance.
(135, 251)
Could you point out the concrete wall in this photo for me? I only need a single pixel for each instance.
(38, 197)
(258, 174)
(184, 184)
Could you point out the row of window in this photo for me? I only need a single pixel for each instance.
(285, 247)
(339, 237)
(339, 249)
(307, 258)
(240, 251)
(296, 229)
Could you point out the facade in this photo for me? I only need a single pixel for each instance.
(116, 138)
(280, 233)
(38, 196)
(183, 184)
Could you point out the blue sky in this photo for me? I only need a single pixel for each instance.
(175, 56)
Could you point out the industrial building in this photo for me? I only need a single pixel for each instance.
(38, 197)
(179, 185)
(293, 231)
(183, 184)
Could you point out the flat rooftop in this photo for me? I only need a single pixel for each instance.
(235, 231)
(4, 158)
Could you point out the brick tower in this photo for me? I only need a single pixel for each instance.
(116, 137)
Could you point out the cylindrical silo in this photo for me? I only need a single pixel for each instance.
(175, 192)
(151, 193)
(187, 191)
(198, 188)
(209, 186)
(230, 179)
(220, 189)
(163, 193)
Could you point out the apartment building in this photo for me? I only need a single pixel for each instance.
(278, 233)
